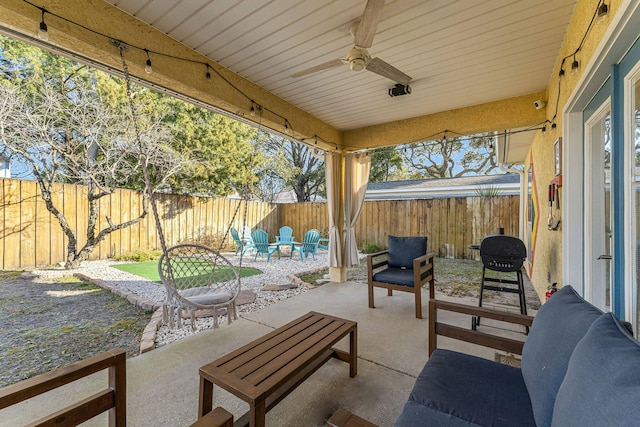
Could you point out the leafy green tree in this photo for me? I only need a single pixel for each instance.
(221, 156)
(387, 164)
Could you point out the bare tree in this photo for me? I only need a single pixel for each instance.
(452, 157)
(66, 132)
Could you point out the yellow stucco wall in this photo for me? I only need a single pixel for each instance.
(547, 259)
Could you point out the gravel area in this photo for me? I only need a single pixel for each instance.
(275, 272)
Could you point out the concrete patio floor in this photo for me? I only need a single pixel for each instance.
(162, 385)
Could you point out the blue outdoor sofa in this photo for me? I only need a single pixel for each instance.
(580, 367)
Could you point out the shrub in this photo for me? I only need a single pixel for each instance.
(212, 241)
(488, 191)
(371, 247)
(140, 255)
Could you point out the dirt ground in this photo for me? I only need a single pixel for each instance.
(45, 325)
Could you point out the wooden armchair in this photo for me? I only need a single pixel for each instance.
(405, 267)
(113, 398)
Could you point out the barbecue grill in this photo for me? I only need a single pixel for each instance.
(503, 253)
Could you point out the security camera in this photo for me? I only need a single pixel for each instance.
(539, 104)
(400, 89)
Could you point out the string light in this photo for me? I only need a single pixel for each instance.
(574, 65)
(43, 31)
(256, 108)
(208, 75)
(603, 12)
(148, 68)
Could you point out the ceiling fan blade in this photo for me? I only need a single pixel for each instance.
(369, 23)
(380, 67)
(320, 67)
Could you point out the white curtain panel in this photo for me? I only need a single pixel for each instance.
(333, 173)
(357, 168)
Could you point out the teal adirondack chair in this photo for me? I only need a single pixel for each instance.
(245, 243)
(285, 237)
(309, 246)
(261, 242)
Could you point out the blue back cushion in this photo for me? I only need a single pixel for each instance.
(559, 325)
(602, 384)
(403, 250)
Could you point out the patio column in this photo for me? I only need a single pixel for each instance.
(346, 180)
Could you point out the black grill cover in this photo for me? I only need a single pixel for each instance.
(500, 252)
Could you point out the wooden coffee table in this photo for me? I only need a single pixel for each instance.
(266, 370)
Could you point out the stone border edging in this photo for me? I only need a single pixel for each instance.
(295, 277)
(148, 339)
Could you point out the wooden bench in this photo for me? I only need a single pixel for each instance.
(266, 370)
(112, 399)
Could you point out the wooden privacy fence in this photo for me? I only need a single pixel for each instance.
(32, 237)
(450, 224)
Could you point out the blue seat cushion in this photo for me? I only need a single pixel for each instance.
(397, 276)
(456, 389)
(559, 325)
(403, 250)
(602, 384)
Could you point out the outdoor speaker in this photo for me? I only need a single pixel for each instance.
(400, 89)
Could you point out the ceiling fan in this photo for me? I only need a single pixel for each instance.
(363, 30)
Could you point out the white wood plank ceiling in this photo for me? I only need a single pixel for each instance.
(458, 52)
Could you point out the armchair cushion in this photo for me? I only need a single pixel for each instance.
(396, 276)
(556, 330)
(403, 250)
(603, 379)
(456, 389)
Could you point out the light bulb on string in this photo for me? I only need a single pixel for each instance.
(574, 65)
(43, 31)
(208, 75)
(603, 12)
(148, 68)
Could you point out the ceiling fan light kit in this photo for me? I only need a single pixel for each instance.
(400, 89)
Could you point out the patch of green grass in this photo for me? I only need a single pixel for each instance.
(149, 270)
